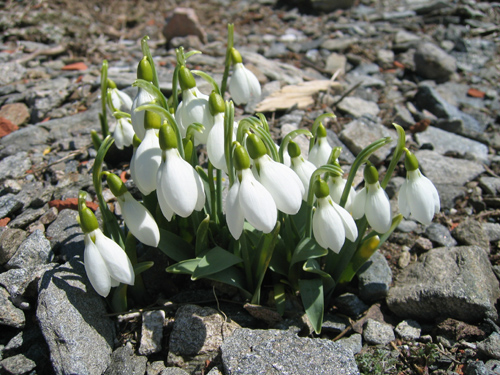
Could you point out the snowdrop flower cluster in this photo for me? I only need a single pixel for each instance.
(106, 264)
(418, 197)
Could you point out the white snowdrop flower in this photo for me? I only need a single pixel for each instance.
(193, 107)
(142, 97)
(321, 150)
(302, 167)
(244, 85)
(138, 219)
(145, 162)
(178, 181)
(120, 101)
(285, 186)
(418, 197)
(372, 201)
(336, 184)
(124, 133)
(332, 224)
(106, 263)
(248, 199)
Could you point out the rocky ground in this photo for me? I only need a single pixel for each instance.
(426, 303)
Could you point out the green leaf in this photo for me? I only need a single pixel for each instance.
(143, 266)
(279, 262)
(311, 293)
(202, 235)
(312, 266)
(186, 266)
(232, 276)
(308, 248)
(280, 298)
(175, 247)
(216, 260)
(119, 298)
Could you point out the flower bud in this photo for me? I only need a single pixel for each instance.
(88, 221)
(411, 162)
(186, 79)
(236, 56)
(152, 120)
(116, 185)
(111, 84)
(321, 131)
(241, 159)
(294, 149)
(371, 174)
(216, 104)
(255, 146)
(167, 137)
(321, 189)
(144, 70)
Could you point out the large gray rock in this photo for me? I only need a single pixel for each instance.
(455, 282)
(9, 314)
(374, 278)
(378, 333)
(66, 236)
(125, 362)
(434, 63)
(35, 250)
(282, 352)
(14, 166)
(72, 319)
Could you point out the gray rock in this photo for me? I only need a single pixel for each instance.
(476, 368)
(404, 40)
(455, 282)
(336, 62)
(66, 236)
(34, 250)
(377, 333)
(470, 232)
(433, 63)
(331, 5)
(10, 239)
(9, 314)
(440, 235)
(30, 138)
(490, 346)
(334, 141)
(14, 166)
(350, 304)
(214, 371)
(403, 117)
(72, 319)
(18, 364)
(11, 72)
(353, 342)
(407, 226)
(26, 217)
(275, 70)
(493, 366)
(492, 230)
(359, 134)
(385, 58)
(408, 330)
(18, 280)
(152, 332)
(339, 44)
(374, 278)
(272, 351)
(358, 107)
(43, 98)
(9, 204)
(35, 194)
(444, 142)
(334, 324)
(125, 362)
(490, 185)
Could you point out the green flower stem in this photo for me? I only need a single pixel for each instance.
(290, 136)
(244, 126)
(218, 191)
(228, 140)
(398, 152)
(314, 128)
(213, 199)
(334, 155)
(146, 52)
(104, 88)
(110, 224)
(207, 78)
(360, 160)
(171, 119)
(332, 169)
(175, 89)
(230, 43)
(119, 114)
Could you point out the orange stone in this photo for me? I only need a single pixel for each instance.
(6, 127)
(475, 93)
(71, 203)
(75, 66)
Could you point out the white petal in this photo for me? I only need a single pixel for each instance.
(147, 159)
(124, 133)
(351, 230)
(257, 203)
(200, 201)
(304, 170)
(194, 108)
(244, 85)
(117, 261)
(121, 101)
(166, 210)
(234, 212)
(139, 220)
(328, 225)
(95, 267)
(420, 193)
(215, 144)
(320, 153)
(142, 97)
(337, 185)
(378, 209)
(179, 184)
(358, 204)
(403, 205)
(283, 184)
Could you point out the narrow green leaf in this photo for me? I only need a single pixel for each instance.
(186, 266)
(280, 298)
(216, 260)
(232, 276)
(202, 236)
(308, 248)
(313, 266)
(175, 247)
(311, 293)
(143, 266)
(119, 301)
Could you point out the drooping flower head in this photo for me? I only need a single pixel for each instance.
(372, 201)
(106, 263)
(244, 85)
(320, 152)
(248, 199)
(179, 187)
(215, 140)
(145, 72)
(282, 182)
(124, 133)
(138, 219)
(117, 99)
(332, 224)
(302, 167)
(193, 107)
(418, 197)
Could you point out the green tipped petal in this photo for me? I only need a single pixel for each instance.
(144, 70)
(116, 185)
